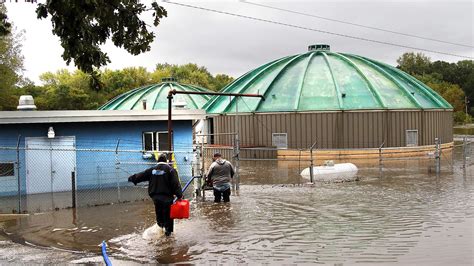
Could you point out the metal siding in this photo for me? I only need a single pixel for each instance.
(327, 123)
(294, 135)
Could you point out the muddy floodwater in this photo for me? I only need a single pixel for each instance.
(405, 214)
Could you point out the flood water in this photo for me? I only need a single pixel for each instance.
(404, 215)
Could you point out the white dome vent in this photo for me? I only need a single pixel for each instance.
(26, 103)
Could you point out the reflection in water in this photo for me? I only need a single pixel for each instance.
(405, 216)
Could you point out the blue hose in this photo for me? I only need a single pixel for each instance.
(104, 254)
(189, 182)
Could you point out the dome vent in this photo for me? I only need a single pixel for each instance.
(26, 103)
(169, 79)
(319, 47)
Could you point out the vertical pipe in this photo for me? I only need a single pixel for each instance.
(18, 172)
(170, 122)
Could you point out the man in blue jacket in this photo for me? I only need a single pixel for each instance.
(162, 187)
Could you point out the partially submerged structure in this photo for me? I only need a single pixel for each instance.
(63, 151)
(340, 101)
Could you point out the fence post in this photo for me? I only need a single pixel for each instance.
(18, 172)
(299, 161)
(437, 156)
(380, 158)
(311, 172)
(464, 151)
(197, 171)
(237, 161)
(73, 183)
(117, 166)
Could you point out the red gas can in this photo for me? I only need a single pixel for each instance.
(180, 209)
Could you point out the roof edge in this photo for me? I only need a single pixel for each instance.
(73, 116)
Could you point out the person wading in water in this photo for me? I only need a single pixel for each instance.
(220, 173)
(162, 187)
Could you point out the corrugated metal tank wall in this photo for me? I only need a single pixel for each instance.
(338, 129)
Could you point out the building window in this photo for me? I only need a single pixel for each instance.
(412, 137)
(280, 140)
(155, 141)
(7, 169)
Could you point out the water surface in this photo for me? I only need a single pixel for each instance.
(404, 214)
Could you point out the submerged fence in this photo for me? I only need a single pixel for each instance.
(36, 179)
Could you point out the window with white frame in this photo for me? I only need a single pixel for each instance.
(280, 140)
(155, 141)
(412, 137)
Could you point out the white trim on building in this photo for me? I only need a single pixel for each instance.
(30, 117)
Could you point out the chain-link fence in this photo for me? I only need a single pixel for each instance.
(37, 179)
(432, 158)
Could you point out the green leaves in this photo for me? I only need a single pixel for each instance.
(5, 26)
(83, 26)
(452, 80)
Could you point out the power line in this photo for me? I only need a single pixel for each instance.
(315, 30)
(355, 24)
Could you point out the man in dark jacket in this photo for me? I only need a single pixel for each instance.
(162, 187)
(220, 172)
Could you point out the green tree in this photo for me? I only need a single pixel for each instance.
(64, 90)
(414, 63)
(11, 66)
(191, 74)
(222, 80)
(116, 82)
(83, 26)
(5, 26)
(441, 73)
(450, 92)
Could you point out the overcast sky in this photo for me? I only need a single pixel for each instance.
(232, 45)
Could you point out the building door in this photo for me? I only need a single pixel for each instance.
(49, 164)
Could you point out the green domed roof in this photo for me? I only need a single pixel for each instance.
(320, 80)
(156, 97)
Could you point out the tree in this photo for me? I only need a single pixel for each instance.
(11, 65)
(64, 90)
(414, 64)
(116, 82)
(5, 26)
(191, 74)
(441, 73)
(450, 92)
(83, 26)
(222, 80)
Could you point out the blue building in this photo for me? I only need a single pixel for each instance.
(52, 151)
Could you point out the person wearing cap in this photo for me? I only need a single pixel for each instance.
(163, 186)
(220, 173)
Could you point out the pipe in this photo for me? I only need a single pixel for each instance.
(170, 121)
(104, 254)
(174, 91)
